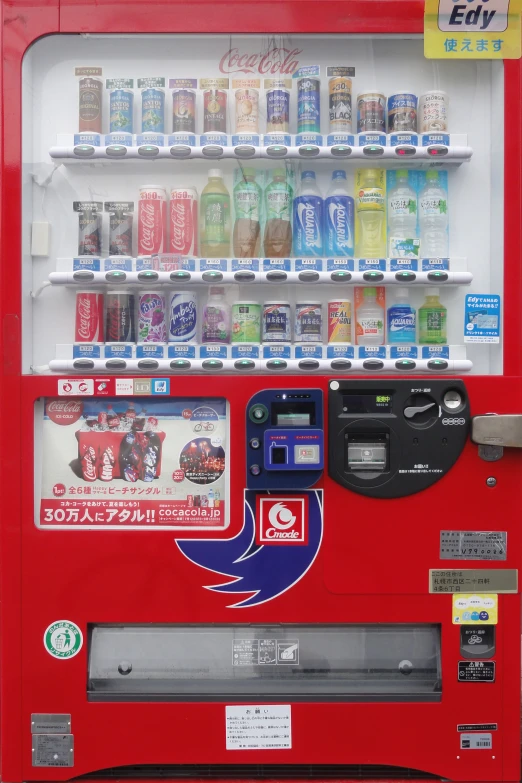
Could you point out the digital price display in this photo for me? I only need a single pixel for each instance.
(368, 402)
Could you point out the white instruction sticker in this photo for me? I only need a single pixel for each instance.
(266, 726)
(476, 741)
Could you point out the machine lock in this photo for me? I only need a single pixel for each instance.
(493, 432)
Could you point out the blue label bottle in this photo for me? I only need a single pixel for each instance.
(308, 219)
(401, 320)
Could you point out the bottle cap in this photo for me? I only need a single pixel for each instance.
(402, 172)
(215, 173)
(402, 293)
(279, 173)
(369, 291)
(432, 174)
(308, 174)
(339, 174)
(248, 172)
(217, 290)
(435, 291)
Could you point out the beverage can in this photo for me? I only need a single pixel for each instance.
(340, 104)
(89, 317)
(120, 232)
(89, 231)
(121, 111)
(183, 111)
(214, 111)
(308, 326)
(152, 218)
(276, 322)
(308, 105)
(339, 321)
(90, 105)
(153, 110)
(190, 500)
(247, 111)
(402, 112)
(183, 212)
(371, 112)
(151, 317)
(277, 108)
(119, 317)
(246, 322)
(433, 111)
(182, 316)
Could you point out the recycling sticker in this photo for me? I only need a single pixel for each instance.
(63, 639)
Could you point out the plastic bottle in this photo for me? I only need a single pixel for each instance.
(370, 208)
(247, 205)
(308, 218)
(216, 317)
(338, 218)
(211, 498)
(278, 210)
(401, 319)
(432, 319)
(433, 217)
(215, 217)
(402, 217)
(370, 320)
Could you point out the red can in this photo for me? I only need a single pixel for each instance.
(190, 500)
(89, 317)
(183, 221)
(152, 220)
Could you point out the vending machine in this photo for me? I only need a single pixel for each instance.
(261, 394)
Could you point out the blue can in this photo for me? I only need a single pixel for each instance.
(402, 112)
(121, 110)
(308, 105)
(153, 110)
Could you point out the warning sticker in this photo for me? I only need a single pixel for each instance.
(476, 741)
(251, 727)
(476, 671)
(264, 652)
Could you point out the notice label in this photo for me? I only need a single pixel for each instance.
(476, 671)
(254, 727)
(475, 610)
(473, 545)
(482, 318)
(75, 387)
(472, 580)
(476, 741)
(263, 652)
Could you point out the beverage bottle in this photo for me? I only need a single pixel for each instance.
(129, 458)
(113, 420)
(151, 456)
(217, 498)
(433, 217)
(432, 319)
(211, 498)
(216, 317)
(370, 207)
(370, 320)
(401, 319)
(308, 218)
(338, 218)
(130, 413)
(247, 205)
(402, 216)
(279, 194)
(215, 217)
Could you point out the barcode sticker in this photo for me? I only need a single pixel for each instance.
(476, 741)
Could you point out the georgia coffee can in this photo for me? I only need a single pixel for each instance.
(214, 111)
(152, 220)
(119, 317)
(340, 104)
(371, 112)
(433, 112)
(90, 114)
(183, 111)
(183, 215)
(89, 317)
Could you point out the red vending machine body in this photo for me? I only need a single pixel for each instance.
(303, 574)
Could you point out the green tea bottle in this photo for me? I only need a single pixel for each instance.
(432, 319)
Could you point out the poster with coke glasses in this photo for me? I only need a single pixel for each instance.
(134, 464)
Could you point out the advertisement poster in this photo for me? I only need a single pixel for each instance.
(120, 464)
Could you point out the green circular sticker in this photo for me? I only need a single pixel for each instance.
(63, 639)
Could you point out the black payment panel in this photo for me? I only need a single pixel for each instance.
(391, 438)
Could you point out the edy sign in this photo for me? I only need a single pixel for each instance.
(472, 29)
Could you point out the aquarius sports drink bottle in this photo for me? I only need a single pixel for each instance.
(401, 319)
(338, 218)
(278, 210)
(370, 215)
(433, 217)
(215, 217)
(247, 205)
(308, 218)
(402, 217)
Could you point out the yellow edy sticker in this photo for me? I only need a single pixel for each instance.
(472, 29)
(475, 609)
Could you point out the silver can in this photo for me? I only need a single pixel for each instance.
(433, 111)
(308, 327)
(276, 322)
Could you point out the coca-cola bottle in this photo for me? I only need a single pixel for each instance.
(151, 455)
(106, 465)
(130, 413)
(139, 421)
(130, 458)
(102, 421)
(113, 420)
(152, 424)
(88, 461)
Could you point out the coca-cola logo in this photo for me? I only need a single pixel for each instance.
(277, 60)
(64, 412)
(181, 225)
(86, 317)
(150, 226)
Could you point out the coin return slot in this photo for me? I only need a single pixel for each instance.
(367, 453)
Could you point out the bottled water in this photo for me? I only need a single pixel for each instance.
(402, 218)
(433, 214)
